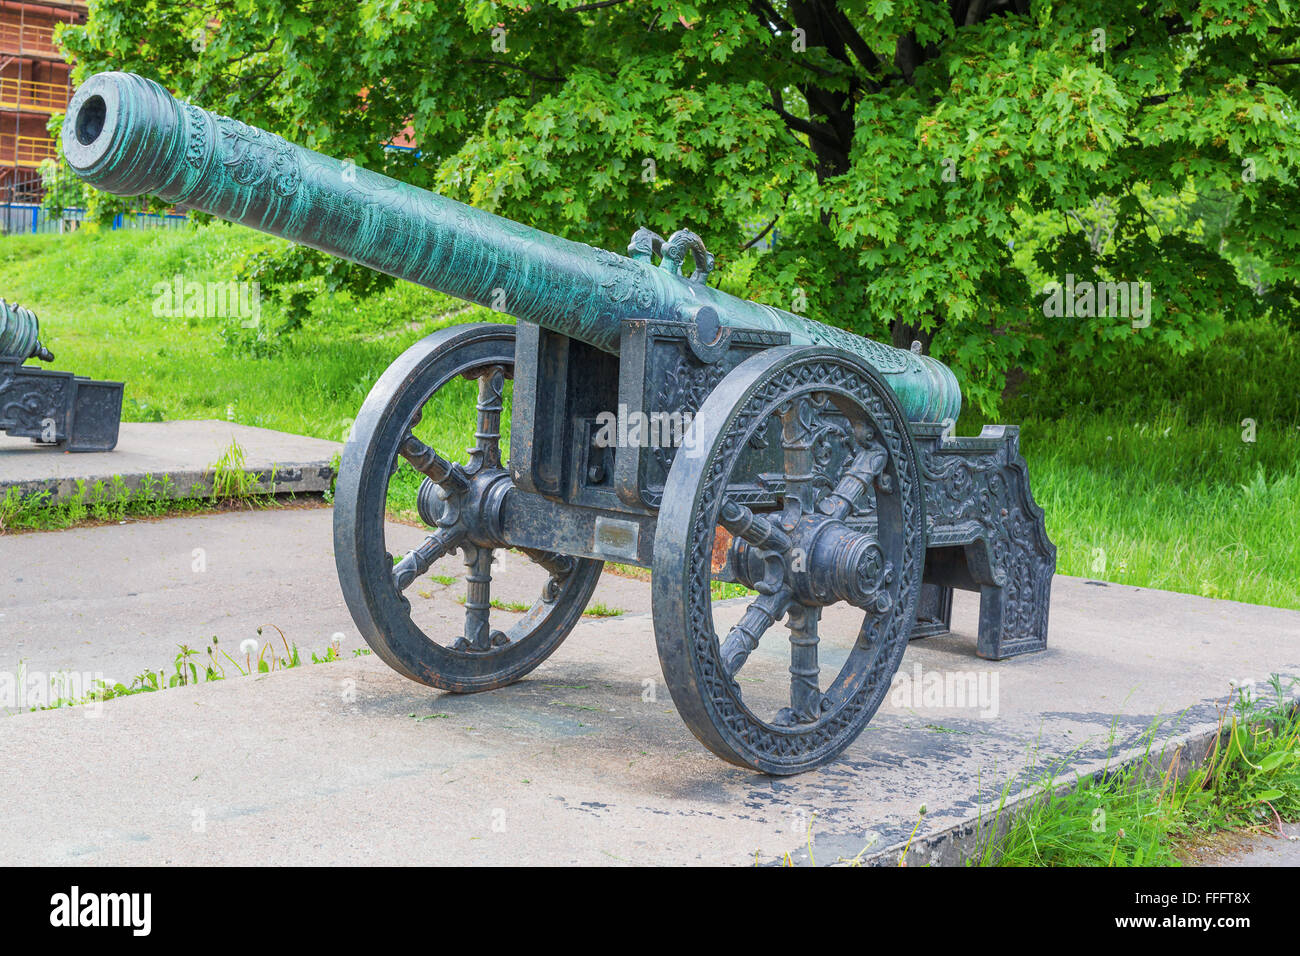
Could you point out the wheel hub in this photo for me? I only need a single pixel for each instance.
(827, 562)
(467, 511)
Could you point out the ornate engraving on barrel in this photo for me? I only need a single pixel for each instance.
(625, 283)
(253, 156)
(196, 146)
(884, 358)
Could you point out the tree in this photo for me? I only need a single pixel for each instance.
(898, 150)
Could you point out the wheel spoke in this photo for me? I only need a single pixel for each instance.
(805, 689)
(418, 561)
(559, 566)
(867, 469)
(486, 452)
(429, 463)
(744, 637)
(798, 436)
(754, 528)
(479, 635)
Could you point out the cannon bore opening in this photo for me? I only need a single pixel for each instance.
(90, 120)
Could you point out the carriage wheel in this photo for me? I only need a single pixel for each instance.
(452, 501)
(843, 521)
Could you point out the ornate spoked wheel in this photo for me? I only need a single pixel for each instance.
(457, 500)
(839, 519)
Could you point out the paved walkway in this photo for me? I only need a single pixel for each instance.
(117, 600)
(585, 761)
(1279, 847)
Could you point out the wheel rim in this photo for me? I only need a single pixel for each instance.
(479, 658)
(700, 667)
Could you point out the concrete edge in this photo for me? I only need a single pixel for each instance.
(306, 477)
(961, 843)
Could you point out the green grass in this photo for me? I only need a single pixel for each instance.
(1141, 467)
(190, 667)
(1163, 502)
(719, 590)
(1141, 814)
(112, 501)
(1145, 473)
(231, 486)
(93, 292)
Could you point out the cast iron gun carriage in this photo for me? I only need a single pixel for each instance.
(59, 409)
(817, 469)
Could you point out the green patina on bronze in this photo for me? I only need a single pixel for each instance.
(127, 135)
(20, 334)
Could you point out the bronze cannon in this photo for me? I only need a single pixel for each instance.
(787, 461)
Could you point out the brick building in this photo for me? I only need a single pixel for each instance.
(34, 83)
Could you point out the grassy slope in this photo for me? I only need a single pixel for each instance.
(1162, 495)
(1167, 504)
(94, 295)
(1143, 814)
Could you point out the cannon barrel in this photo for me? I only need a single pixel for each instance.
(127, 135)
(20, 334)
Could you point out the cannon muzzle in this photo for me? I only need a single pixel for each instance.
(19, 334)
(127, 135)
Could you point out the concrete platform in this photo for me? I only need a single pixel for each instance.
(585, 761)
(184, 451)
(136, 591)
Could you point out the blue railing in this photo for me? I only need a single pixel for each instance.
(18, 217)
